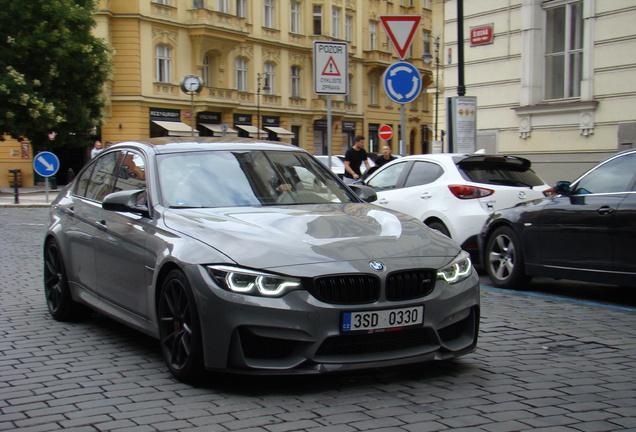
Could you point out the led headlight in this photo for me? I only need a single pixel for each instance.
(251, 282)
(458, 270)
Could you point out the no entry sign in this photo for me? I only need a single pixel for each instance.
(385, 132)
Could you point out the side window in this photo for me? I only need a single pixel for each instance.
(102, 177)
(131, 174)
(387, 178)
(614, 176)
(423, 173)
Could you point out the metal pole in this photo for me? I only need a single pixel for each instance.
(461, 88)
(436, 83)
(329, 129)
(258, 105)
(402, 130)
(192, 112)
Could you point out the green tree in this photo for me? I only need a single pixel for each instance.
(52, 71)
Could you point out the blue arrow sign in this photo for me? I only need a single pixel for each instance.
(46, 164)
(402, 82)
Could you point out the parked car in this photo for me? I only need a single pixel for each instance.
(455, 193)
(337, 164)
(251, 257)
(586, 232)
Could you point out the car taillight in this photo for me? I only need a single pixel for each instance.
(469, 192)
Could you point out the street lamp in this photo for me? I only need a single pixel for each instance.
(428, 58)
(258, 100)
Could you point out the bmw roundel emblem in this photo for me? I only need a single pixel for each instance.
(376, 265)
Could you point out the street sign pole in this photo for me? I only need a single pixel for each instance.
(329, 129)
(402, 130)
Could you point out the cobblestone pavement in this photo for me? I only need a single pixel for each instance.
(543, 364)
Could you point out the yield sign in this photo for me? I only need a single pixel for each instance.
(401, 29)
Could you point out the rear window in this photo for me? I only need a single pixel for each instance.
(499, 170)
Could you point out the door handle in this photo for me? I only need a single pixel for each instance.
(426, 195)
(101, 224)
(605, 210)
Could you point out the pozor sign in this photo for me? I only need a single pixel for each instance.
(331, 68)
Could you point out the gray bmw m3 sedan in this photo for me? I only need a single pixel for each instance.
(248, 256)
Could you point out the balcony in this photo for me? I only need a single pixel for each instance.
(375, 58)
(223, 96)
(218, 20)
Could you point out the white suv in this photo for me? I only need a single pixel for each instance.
(455, 193)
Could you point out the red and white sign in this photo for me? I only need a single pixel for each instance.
(481, 35)
(385, 132)
(401, 29)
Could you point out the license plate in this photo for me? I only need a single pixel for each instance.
(382, 319)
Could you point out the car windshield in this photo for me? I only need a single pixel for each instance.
(246, 178)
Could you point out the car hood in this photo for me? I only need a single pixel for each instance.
(269, 237)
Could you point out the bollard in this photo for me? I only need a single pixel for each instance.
(16, 184)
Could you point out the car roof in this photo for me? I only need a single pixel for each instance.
(191, 144)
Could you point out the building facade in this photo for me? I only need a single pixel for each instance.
(554, 79)
(255, 60)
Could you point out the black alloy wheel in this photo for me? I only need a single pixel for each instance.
(504, 259)
(56, 288)
(179, 328)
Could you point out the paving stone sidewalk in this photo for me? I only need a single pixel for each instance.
(543, 364)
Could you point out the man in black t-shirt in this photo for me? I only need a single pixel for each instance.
(353, 160)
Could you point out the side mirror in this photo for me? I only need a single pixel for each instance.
(365, 193)
(562, 188)
(129, 201)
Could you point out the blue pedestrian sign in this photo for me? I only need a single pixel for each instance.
(402, 82)
(46, 164)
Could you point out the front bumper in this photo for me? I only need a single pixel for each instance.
(298, 334)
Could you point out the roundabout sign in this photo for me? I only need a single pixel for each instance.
(402, 82)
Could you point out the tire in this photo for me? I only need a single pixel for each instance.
(503, 259)
(59, 302)
(439, 227)
(180, 329)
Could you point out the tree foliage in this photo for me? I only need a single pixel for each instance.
(52, 71)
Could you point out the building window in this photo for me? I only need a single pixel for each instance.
(564, 51)
(426, 44)
(241, 8)
(205, 70)
(349, 28)
(373, 89)
(268, 13)
(294, 25)
(335, 21)
(317, 19)
(295, 81)
(163, 2)
(223, 6)
(373, 35)
(269, 76)
(296, 132)
(163, 56)
(241, 74)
